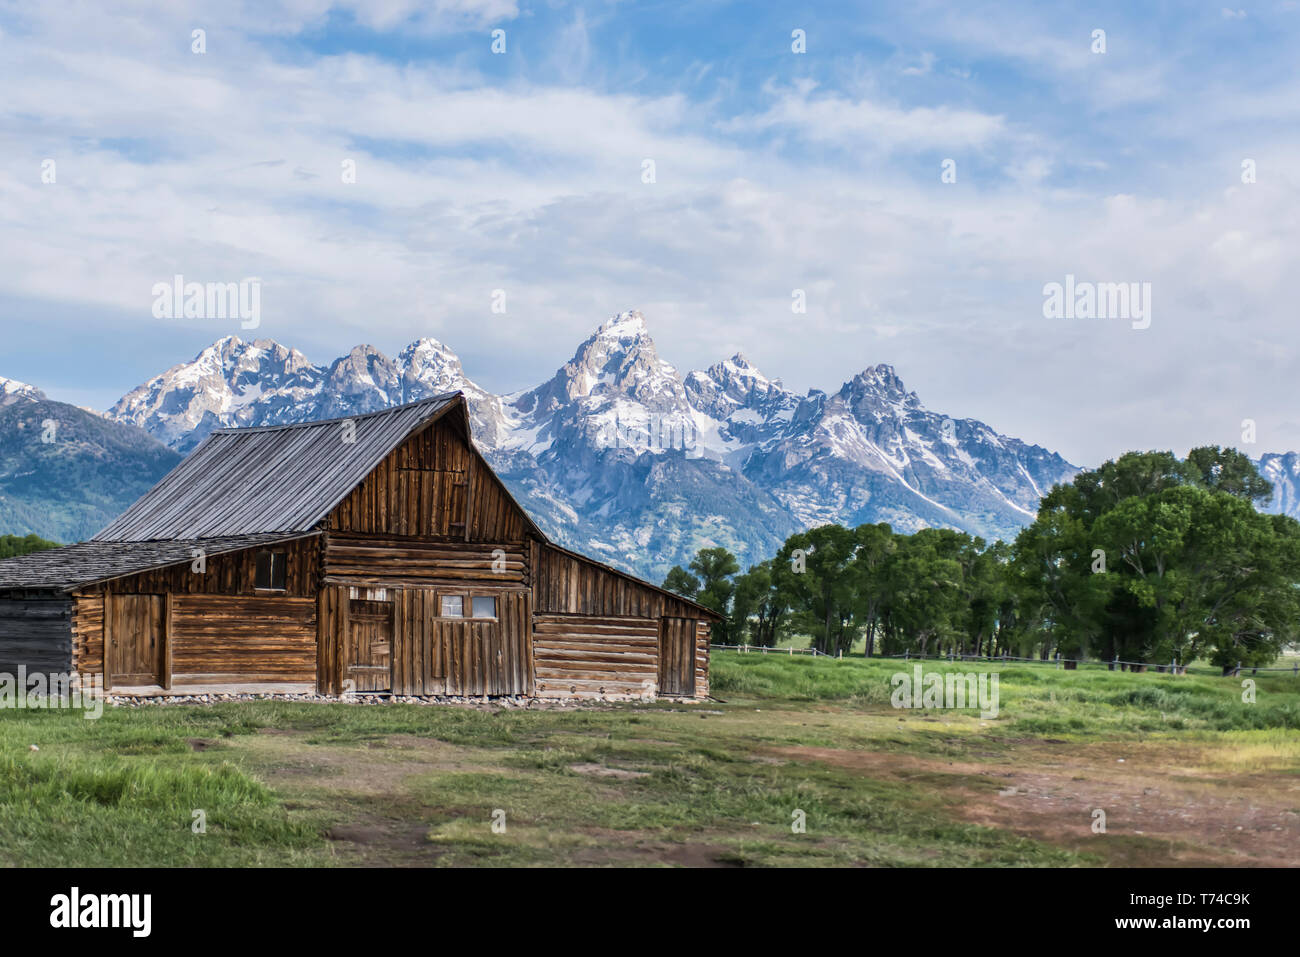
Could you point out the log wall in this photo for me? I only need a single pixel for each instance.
(36, 633)
(232, 576)
(219, 639)
(704, 630)
(387, 560)
(585, 655)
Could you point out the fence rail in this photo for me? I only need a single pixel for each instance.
(1113, 664)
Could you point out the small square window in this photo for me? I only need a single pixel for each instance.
(485, 606)
(271, 571)
(453, 606)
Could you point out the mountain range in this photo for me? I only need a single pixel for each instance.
(618, 454)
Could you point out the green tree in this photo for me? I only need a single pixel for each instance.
(681, 582)
(12, 546)
(814, 578)
(758, 608)
(1154, 559)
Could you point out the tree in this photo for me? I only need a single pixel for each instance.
(869, 578)
(816, 585)
(758, 606)
(681, 582)
(12, 546)
(1152, 559)
(709, 582)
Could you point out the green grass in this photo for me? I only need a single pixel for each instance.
(1038, 699)
(718, 783)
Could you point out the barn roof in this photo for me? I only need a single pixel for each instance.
(282, 478)
(74, 566)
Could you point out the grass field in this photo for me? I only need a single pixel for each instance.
(1185, 772)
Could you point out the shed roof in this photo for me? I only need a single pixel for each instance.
(74, 566)
(282, 478)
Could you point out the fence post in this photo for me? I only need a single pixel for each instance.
(1237, 673)
(905, 653)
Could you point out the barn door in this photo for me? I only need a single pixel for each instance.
(368, 653)
(677, 656)
(136, 629)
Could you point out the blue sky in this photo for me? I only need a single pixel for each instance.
(775, 171)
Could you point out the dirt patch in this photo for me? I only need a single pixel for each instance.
(382, 843)
(633, 848)
(1156, 813)
(600, 771)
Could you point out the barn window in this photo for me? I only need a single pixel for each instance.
(485, 606)
(271, 571)
(453, 606)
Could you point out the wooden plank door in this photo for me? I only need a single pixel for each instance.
(368, 653)
(137, 630)
(677, 656)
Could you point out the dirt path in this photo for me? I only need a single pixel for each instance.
(1160, 808)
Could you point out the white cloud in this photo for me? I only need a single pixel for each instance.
(870, 125)
(227, 165)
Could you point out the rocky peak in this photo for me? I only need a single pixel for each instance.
(11, 391)
(427, 367)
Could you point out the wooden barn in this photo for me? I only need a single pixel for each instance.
(373, 554)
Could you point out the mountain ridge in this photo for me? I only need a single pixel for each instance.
(620, 454)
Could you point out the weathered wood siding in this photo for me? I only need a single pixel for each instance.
(250, 634)
(585, 655)
(88, 633)
(704, 629)
(219, 639)
(434, 485)
(494, 516)
(678, 646)
(565, 584)
(432, 655)
(36, 633)
(387, 560)
(231, 573)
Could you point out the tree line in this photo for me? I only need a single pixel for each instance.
(11, 546)
(1148, 558)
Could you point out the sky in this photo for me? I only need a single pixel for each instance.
(916, 173)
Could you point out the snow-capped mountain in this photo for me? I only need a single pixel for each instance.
(873, 452)
(621, 455)
(11, 391)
